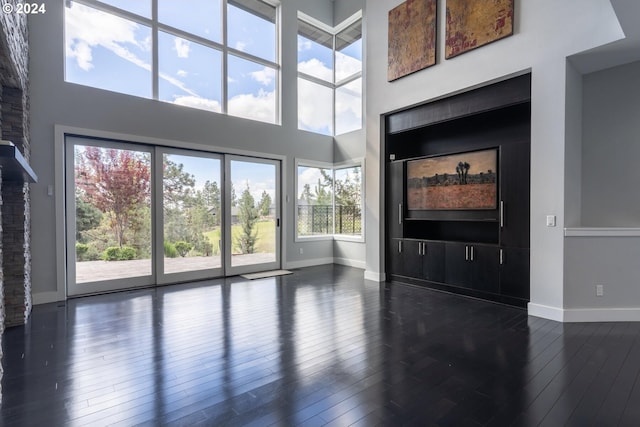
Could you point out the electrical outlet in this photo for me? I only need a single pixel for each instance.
(599, 290)
(301, 251)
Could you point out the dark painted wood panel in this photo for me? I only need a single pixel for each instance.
(499, 95)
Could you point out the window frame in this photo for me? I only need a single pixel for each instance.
(157, 27)
(334, 85)
(358, 162)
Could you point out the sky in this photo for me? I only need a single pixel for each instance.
(101, 49)
(258, 176)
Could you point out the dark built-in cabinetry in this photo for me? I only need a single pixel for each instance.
(482, 253)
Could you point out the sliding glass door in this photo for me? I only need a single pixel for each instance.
(253, 210)
(191, 215)
(141, 215)
(109, 216)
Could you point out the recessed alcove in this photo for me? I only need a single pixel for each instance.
(482, 253)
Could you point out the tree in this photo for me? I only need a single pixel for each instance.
(348, 190)
(466, 166)
(87, 217)
(177, 184)
(211, 197)
(247, 217)
(265, 204)
(234, 196)
(115, 181)
(306, 194)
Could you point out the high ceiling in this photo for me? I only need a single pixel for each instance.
(620, 52)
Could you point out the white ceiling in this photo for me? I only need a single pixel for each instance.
(617, 53)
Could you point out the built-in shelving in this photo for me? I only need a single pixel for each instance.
(480, 253)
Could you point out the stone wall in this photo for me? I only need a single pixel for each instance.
(15, 233)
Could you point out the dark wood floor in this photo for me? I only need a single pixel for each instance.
(319, 347)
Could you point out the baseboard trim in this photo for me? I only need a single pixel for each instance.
(602, 315)
(546, 312)
(584, 314)
(350, 263)
(308, 263)
(374, 276)
(45, 298)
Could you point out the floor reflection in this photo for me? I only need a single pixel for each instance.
(319, 347)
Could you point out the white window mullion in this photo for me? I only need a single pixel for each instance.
(155, 73)
(225, 58)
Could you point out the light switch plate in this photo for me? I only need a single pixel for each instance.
(551, 220)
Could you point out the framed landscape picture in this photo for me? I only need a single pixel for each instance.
(471, 24)
(454, 182)
(412, 37)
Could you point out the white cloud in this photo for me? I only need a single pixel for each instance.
(82, 53)
(177, 83)
(182, 73)
(309, 176)
(349, 107)
(197, 102)
(260, 107)
(304, 44)
(315, 107)
(346, 66)
(264, 76)
(241, 46)
(182, 47)
(314, 67)
(87, 28)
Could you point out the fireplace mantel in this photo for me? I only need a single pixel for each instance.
(14, 166)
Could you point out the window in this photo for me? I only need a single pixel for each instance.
(330, 77)
(180, 57)
(329, 200)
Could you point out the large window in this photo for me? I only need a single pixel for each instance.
(330, 76)
(181, 56)
(329, 200)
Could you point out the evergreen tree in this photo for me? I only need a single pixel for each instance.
(265, 204)
(247, 217)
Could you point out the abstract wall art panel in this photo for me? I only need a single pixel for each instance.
(471, 24)
(412, 37)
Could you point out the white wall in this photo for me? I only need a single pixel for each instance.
(54, 102)
(609, 189)
(546, 32)
(611, 148)
(609, 261)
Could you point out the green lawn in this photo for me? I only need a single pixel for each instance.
(266, 236)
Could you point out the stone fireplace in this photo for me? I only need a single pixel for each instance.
(15, 252)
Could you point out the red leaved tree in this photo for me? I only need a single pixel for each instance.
(116, 182)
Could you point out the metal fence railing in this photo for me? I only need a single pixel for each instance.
(319, 219)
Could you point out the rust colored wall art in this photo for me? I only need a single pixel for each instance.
(471, 24)
(412, 37)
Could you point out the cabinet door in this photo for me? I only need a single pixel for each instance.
(514, 273)
(395, 257)
(485, 265)
(433, 265)
(457, 270)
(412, 258)
(395, 196)
(514, 194)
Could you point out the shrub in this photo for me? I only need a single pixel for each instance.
(112, 253)
(183, 248)
(127, 253)
(170, 250)
(81, 250)
(115, 253)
